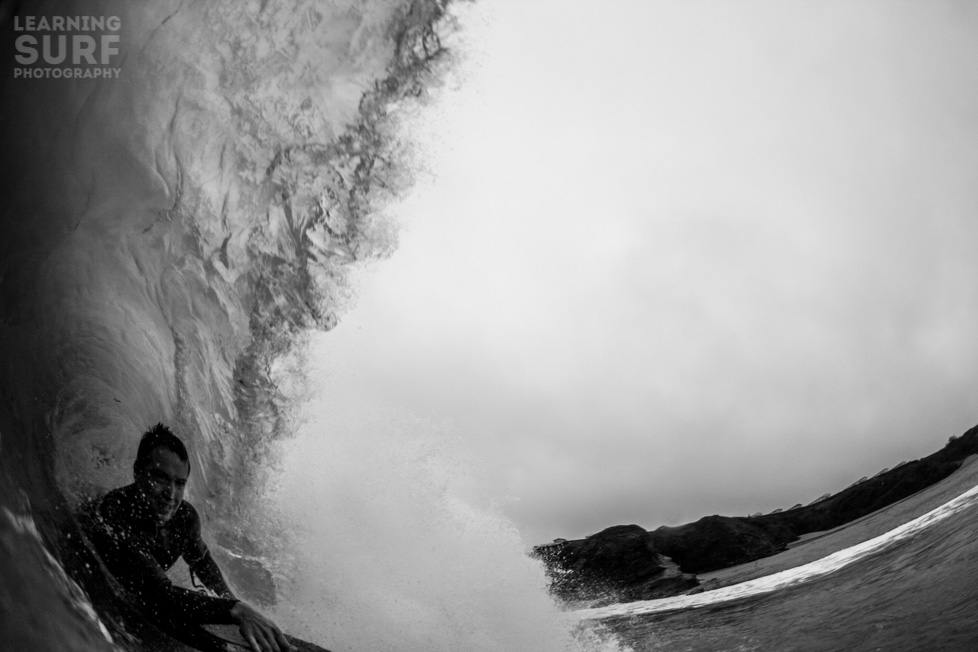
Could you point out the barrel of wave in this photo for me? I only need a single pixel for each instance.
(131, 233)
(127, 209)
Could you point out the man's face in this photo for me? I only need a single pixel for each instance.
(162, 481)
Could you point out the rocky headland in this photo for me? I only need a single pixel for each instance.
(626, 562)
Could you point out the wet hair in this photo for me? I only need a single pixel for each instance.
(159, 436)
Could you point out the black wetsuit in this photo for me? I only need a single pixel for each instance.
(138, 551)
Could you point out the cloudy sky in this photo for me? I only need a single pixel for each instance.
(683, 258)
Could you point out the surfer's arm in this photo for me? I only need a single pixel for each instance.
(131, 563)
(200, 562)
(209, 573)
(260, 631)
(184, 604)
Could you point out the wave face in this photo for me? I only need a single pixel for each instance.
(166, 232)
(169, 232)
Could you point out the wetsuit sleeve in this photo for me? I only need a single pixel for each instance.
(200, 562)
(128, 558)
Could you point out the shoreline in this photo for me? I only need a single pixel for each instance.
(626, 563)
(816, 545)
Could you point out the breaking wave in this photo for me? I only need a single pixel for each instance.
(171, 234)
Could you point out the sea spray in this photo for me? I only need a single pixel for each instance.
(388, 548)
(383, 538)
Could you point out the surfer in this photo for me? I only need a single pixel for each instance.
(141, 529)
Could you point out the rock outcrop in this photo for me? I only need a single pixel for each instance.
(618, 564)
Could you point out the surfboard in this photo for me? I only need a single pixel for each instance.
(230, 634)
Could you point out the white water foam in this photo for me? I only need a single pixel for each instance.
(388, 550)
(792, 576)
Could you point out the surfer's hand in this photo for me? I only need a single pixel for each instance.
(261, 633)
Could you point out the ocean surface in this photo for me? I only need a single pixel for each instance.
(910, 588)
(176, 231)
